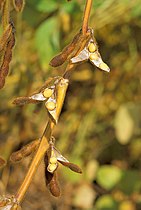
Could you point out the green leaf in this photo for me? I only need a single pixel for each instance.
(130, 182)
(47, 41)
(108, 176)
(47, 5)
(106, 202)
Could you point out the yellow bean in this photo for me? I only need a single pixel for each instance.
(93, 56)
(53, 160)
(92, 47)
(47, 93)
(51, 167)
(50, 105)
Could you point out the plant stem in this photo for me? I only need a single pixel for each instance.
(44, 145)
(86, 16)
(61, 92)
(35, 163)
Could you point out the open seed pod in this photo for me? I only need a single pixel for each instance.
(78, 43)
(54, 103)
(90, 52)
(51, 179)
(41, 95)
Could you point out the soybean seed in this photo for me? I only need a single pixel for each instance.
(94, 56)
(50, 105)
(53, 160)
(47, 93)
(92, 47)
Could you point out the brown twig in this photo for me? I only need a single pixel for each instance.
(86, 16)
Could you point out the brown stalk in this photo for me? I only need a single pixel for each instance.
(86, 16)
(44, 144)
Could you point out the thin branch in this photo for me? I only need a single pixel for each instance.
(86, 16)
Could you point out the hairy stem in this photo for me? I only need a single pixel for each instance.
(86, 16)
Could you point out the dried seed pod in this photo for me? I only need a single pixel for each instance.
(30, 148)
(25, 151)
(51, 179)
(20, 101)
(7, 59)
(72, 166)
(70, 51)
(2, 162)
(5, 37)
(62, 57)
(19, 5)
(90, 52)
(52, 183)
(16, 156)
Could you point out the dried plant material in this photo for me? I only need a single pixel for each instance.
(25, 151)
(19, 5)
(4, 68)
(5, 37)
(52, 183)
(70, 50)
(71, 166)
(39, 95)
(5, 13)
(51, 179)
(54, 155)
(1, 4)
(16, 156)
(90, 52)
(9, 203)
(61, 85)
(2, 162)
(20, 101)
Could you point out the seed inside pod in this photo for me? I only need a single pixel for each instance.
(47, 92)
(53, 160)
(93, 56)
(50, 105)
(51, 167)
(104, 66)
(92, 47)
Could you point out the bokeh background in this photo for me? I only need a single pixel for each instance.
(100, 125)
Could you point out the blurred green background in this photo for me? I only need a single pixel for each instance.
(100, 125)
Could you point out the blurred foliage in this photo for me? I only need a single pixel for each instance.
(100, 125)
